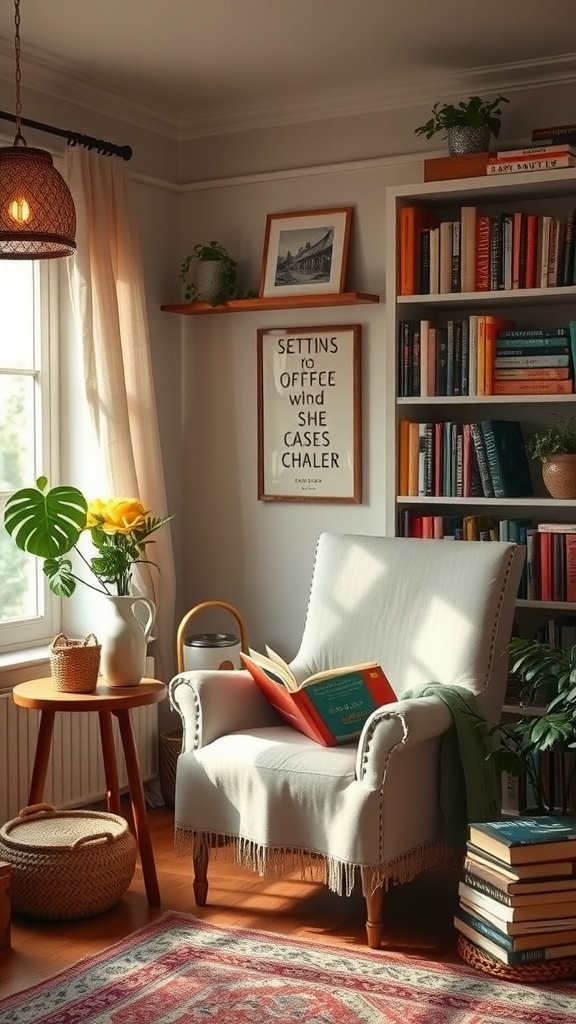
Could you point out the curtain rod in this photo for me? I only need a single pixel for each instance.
(74, 138)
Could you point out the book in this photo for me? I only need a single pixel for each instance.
(534, 373)
(530, 333)
(563, 906)
(526, 840)
(487, 878)
(533, 387)
(492, 325)
(521, 872)
(570, 563)
(329, 707)
(468, 248)
(503, 361)
(561, 130)
(481, 934)
(412, 219)
(445, 280)
(482, 253)
(560, 147)
(542, 926)
(572, 329)
(523, 164)
(507, 461)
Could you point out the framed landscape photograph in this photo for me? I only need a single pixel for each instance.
(306, 253)
(309, 414)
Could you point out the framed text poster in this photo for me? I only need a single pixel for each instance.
(309, 414)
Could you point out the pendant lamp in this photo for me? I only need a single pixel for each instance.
(37, 215)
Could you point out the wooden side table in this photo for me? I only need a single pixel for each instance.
(41, 695)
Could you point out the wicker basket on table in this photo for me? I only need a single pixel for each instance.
(74, 664)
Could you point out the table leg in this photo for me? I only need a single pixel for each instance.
(138, 807)
(41, 757)
(109, 759)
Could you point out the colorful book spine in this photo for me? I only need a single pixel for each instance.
(546, 150)
(533, 387)
(522, 164)
(510, 362)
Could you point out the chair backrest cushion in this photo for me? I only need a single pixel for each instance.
(428, 611)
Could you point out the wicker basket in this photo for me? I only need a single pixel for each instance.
(528, 973)
(170, 747)
(74, 664)
(67, 864)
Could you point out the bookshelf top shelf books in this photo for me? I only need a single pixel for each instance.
(521, 187)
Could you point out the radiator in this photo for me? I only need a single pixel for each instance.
(75, 772)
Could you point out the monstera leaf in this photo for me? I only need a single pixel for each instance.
(46, 523)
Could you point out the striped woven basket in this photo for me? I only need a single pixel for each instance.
(74, 664)
(67, 864)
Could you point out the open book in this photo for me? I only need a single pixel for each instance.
(329, 707)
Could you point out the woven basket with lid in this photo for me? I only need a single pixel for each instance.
(67, 864)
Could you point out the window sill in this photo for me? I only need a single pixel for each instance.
(16, 666)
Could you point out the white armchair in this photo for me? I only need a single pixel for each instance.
(429, 612)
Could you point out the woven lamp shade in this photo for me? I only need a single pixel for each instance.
(37, 215)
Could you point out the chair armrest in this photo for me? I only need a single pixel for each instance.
(404, 723)
(212, 704)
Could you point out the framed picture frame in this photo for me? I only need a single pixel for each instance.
(306, 253)
(309, 414)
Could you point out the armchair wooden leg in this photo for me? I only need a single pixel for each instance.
(374, 918)
(200, 883)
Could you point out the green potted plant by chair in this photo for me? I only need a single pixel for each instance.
(546, 723)
(555, 447)
(468, 125)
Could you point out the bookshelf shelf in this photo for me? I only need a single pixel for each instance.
(543, 193)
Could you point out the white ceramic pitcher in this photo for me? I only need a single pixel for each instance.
(124, 638)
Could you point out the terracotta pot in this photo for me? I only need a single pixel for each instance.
(559, 476)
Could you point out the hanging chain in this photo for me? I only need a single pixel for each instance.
(18, 137)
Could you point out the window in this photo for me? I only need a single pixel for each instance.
(28, 291)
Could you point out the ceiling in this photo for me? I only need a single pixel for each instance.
(184, 61)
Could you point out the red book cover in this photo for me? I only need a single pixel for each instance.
(483, 253)
(533, 387)
(545, 551)
(428, 527)
(329, 708)
(531, 248)
(411, 221)
(570, 552)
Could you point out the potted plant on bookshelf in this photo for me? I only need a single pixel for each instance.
(555, 447)
(468, 125)
(209, 275)
(546, 726)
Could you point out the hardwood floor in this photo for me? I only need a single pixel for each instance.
(418, 916)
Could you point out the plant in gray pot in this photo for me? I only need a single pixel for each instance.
(555, 447)
(208, 273)
(468, 125)
(546, 723)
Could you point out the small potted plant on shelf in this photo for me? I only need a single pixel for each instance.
(209, 275)
(468, 125)
(547, 685)
(555, 447)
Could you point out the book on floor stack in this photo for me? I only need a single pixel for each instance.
(534, 362)
(517, 897)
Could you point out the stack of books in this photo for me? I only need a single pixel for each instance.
(518, 892)
(532, 158)
(531, 361)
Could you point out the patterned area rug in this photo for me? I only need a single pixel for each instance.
(180, 970)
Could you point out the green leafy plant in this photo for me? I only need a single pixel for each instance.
(558, 439)
(49, 523)
(472, 113)
(547, 678)
(212, 251)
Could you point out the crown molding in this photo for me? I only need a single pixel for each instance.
(60, 80)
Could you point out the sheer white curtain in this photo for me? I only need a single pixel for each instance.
(107, 290)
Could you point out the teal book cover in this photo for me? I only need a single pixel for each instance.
(525, 831)
(344, 703)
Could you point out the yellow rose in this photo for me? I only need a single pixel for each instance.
(117, 515)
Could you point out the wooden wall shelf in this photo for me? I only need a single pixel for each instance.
(286, 302)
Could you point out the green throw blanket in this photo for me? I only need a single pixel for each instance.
(469, 784)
